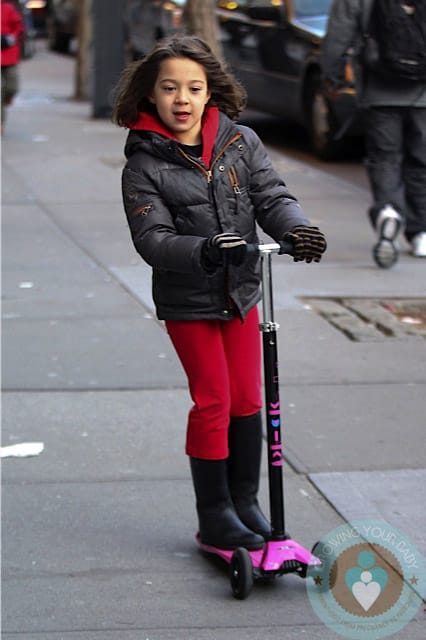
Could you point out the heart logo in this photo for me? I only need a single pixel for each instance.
(366, 594)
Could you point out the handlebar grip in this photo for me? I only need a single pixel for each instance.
(286, 246)
(252, 249)
(282, 247)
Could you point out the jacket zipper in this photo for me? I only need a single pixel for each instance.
(206, 172)
(224, 148)
(209, 175)
(233, 179)
(229, 301)
(209, 172)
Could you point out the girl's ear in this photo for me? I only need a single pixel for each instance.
(151, 99)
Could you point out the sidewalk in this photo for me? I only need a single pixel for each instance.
(98, 535)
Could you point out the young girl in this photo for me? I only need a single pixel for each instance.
(194, 186)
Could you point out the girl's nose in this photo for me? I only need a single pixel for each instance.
(181, 97)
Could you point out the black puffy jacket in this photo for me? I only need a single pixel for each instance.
(173, 203)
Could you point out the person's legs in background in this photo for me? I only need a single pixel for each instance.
(384, 160)
(414, 176)
(9, 88)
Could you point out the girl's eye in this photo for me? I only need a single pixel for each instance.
(195, 89)
(168, 89)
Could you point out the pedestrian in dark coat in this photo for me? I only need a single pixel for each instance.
(194, 186)
(395, 127)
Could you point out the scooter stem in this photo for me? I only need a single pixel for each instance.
(272, 399)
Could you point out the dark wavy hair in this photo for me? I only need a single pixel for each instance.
(138, 79)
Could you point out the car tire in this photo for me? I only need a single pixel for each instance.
(57, 41)
(321, 122)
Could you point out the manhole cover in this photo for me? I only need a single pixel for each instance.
(364, 319)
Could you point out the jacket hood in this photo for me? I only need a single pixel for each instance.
(150, 131)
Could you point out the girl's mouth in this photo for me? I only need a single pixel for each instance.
(182, 116)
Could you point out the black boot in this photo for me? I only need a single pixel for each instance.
(245, 449)
(219, 524)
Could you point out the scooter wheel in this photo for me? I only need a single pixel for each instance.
(241, 573)
(317, 550)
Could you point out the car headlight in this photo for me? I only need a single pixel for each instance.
(35, 4)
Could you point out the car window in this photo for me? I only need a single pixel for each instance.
(304, 8)
(262, 3)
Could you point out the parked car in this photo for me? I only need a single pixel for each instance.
(273, 46)
(62, 19)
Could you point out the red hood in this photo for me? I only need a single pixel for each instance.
(209, 127)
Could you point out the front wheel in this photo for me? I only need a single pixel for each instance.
(241, 573)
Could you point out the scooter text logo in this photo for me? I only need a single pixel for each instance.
(371, 580)
(276, 446)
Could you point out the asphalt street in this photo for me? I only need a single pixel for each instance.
(98, 527)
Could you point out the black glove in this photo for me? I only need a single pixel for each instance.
(7, 40)
(309, 243)
(225, 247)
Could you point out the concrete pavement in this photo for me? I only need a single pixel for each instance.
(98, 529)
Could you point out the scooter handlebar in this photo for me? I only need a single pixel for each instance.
(282, 247)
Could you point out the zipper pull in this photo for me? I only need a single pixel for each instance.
(233, 178)
(209, 176)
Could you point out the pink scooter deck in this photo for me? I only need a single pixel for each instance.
(272, 557)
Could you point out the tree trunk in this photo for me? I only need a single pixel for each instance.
(81, 83)
(200, 20)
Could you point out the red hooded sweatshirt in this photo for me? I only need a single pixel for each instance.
(12, 24)
(209, 127)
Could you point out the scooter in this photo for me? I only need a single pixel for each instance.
(281, 554)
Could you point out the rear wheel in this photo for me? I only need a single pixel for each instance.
(319, 572)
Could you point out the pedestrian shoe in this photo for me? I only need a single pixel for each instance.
(418, 245)
(386, 249)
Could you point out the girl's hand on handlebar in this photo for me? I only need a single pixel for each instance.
(224, 247)
(309, 243)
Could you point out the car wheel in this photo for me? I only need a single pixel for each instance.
(322, 127)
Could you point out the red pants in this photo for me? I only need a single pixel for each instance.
(222, 360)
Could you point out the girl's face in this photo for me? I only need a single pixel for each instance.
(180, 95)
